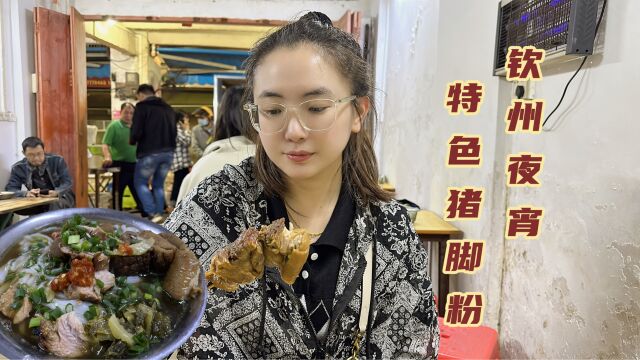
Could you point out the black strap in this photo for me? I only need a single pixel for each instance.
(263, 312)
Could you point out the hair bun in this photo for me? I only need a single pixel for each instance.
(318, 18)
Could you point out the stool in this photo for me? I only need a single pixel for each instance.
(467, 342)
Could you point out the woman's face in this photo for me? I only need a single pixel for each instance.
(290, 76)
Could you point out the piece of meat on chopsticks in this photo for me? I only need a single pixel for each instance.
(243, 261)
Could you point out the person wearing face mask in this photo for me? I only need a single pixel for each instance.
(364, 291)
(201, 134)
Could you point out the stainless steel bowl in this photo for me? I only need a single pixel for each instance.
(13, 346)
(4, 195)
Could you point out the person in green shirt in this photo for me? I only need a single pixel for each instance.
(118, 152)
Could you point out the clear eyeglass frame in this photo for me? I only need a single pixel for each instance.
(252, 109)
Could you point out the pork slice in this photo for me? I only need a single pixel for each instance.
(76, 254)
(162, 255)
(54, 247)
(181, 280)
(100, 262)
(6, 300)
(107, 278)
(86, 293)
(65, 338)
(23, 312)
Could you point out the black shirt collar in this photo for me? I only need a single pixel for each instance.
(337, 230)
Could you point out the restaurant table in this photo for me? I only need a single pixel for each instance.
(96, 169)
(431, 228)
(9, 206)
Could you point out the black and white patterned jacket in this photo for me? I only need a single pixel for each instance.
(404, 323)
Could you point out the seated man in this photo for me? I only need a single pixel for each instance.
(44, 175)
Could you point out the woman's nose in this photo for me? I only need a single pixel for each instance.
(294, 131)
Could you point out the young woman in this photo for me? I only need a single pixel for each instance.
(309, 94)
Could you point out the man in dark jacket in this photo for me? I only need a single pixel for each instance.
(154, 132)
(43, 175)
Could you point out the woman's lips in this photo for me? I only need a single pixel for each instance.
(298, 156)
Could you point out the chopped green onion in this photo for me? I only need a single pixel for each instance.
(38, 296)
(56, 313)
(100, 283)
(91, 313)
(34, 322)
(10, 276)
(20, 292)
(73, 239)
(85, 246)
(56, 272)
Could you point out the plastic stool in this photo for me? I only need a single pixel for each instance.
(128, 202)
(467, 342)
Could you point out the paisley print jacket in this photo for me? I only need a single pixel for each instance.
(402, 324)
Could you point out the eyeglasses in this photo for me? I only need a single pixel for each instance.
(314, 115)
(34, 155)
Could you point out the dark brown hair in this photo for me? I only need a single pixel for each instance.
(231, 119)
(359, 167)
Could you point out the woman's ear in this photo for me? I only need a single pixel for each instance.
(363, 105)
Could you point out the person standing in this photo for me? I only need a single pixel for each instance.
(202, 134)
(181, 161)
(154, 131)
(118, 152)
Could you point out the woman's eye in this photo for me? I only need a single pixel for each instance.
(273, 112)
(317, 109)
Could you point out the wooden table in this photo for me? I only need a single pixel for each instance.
(19, 203)
(9, 206)
(95, 168)
(432, 228)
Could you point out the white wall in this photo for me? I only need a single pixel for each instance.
(575, 292)
(18, 65)
(241, 9)
(572, 293)
(425, 51)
